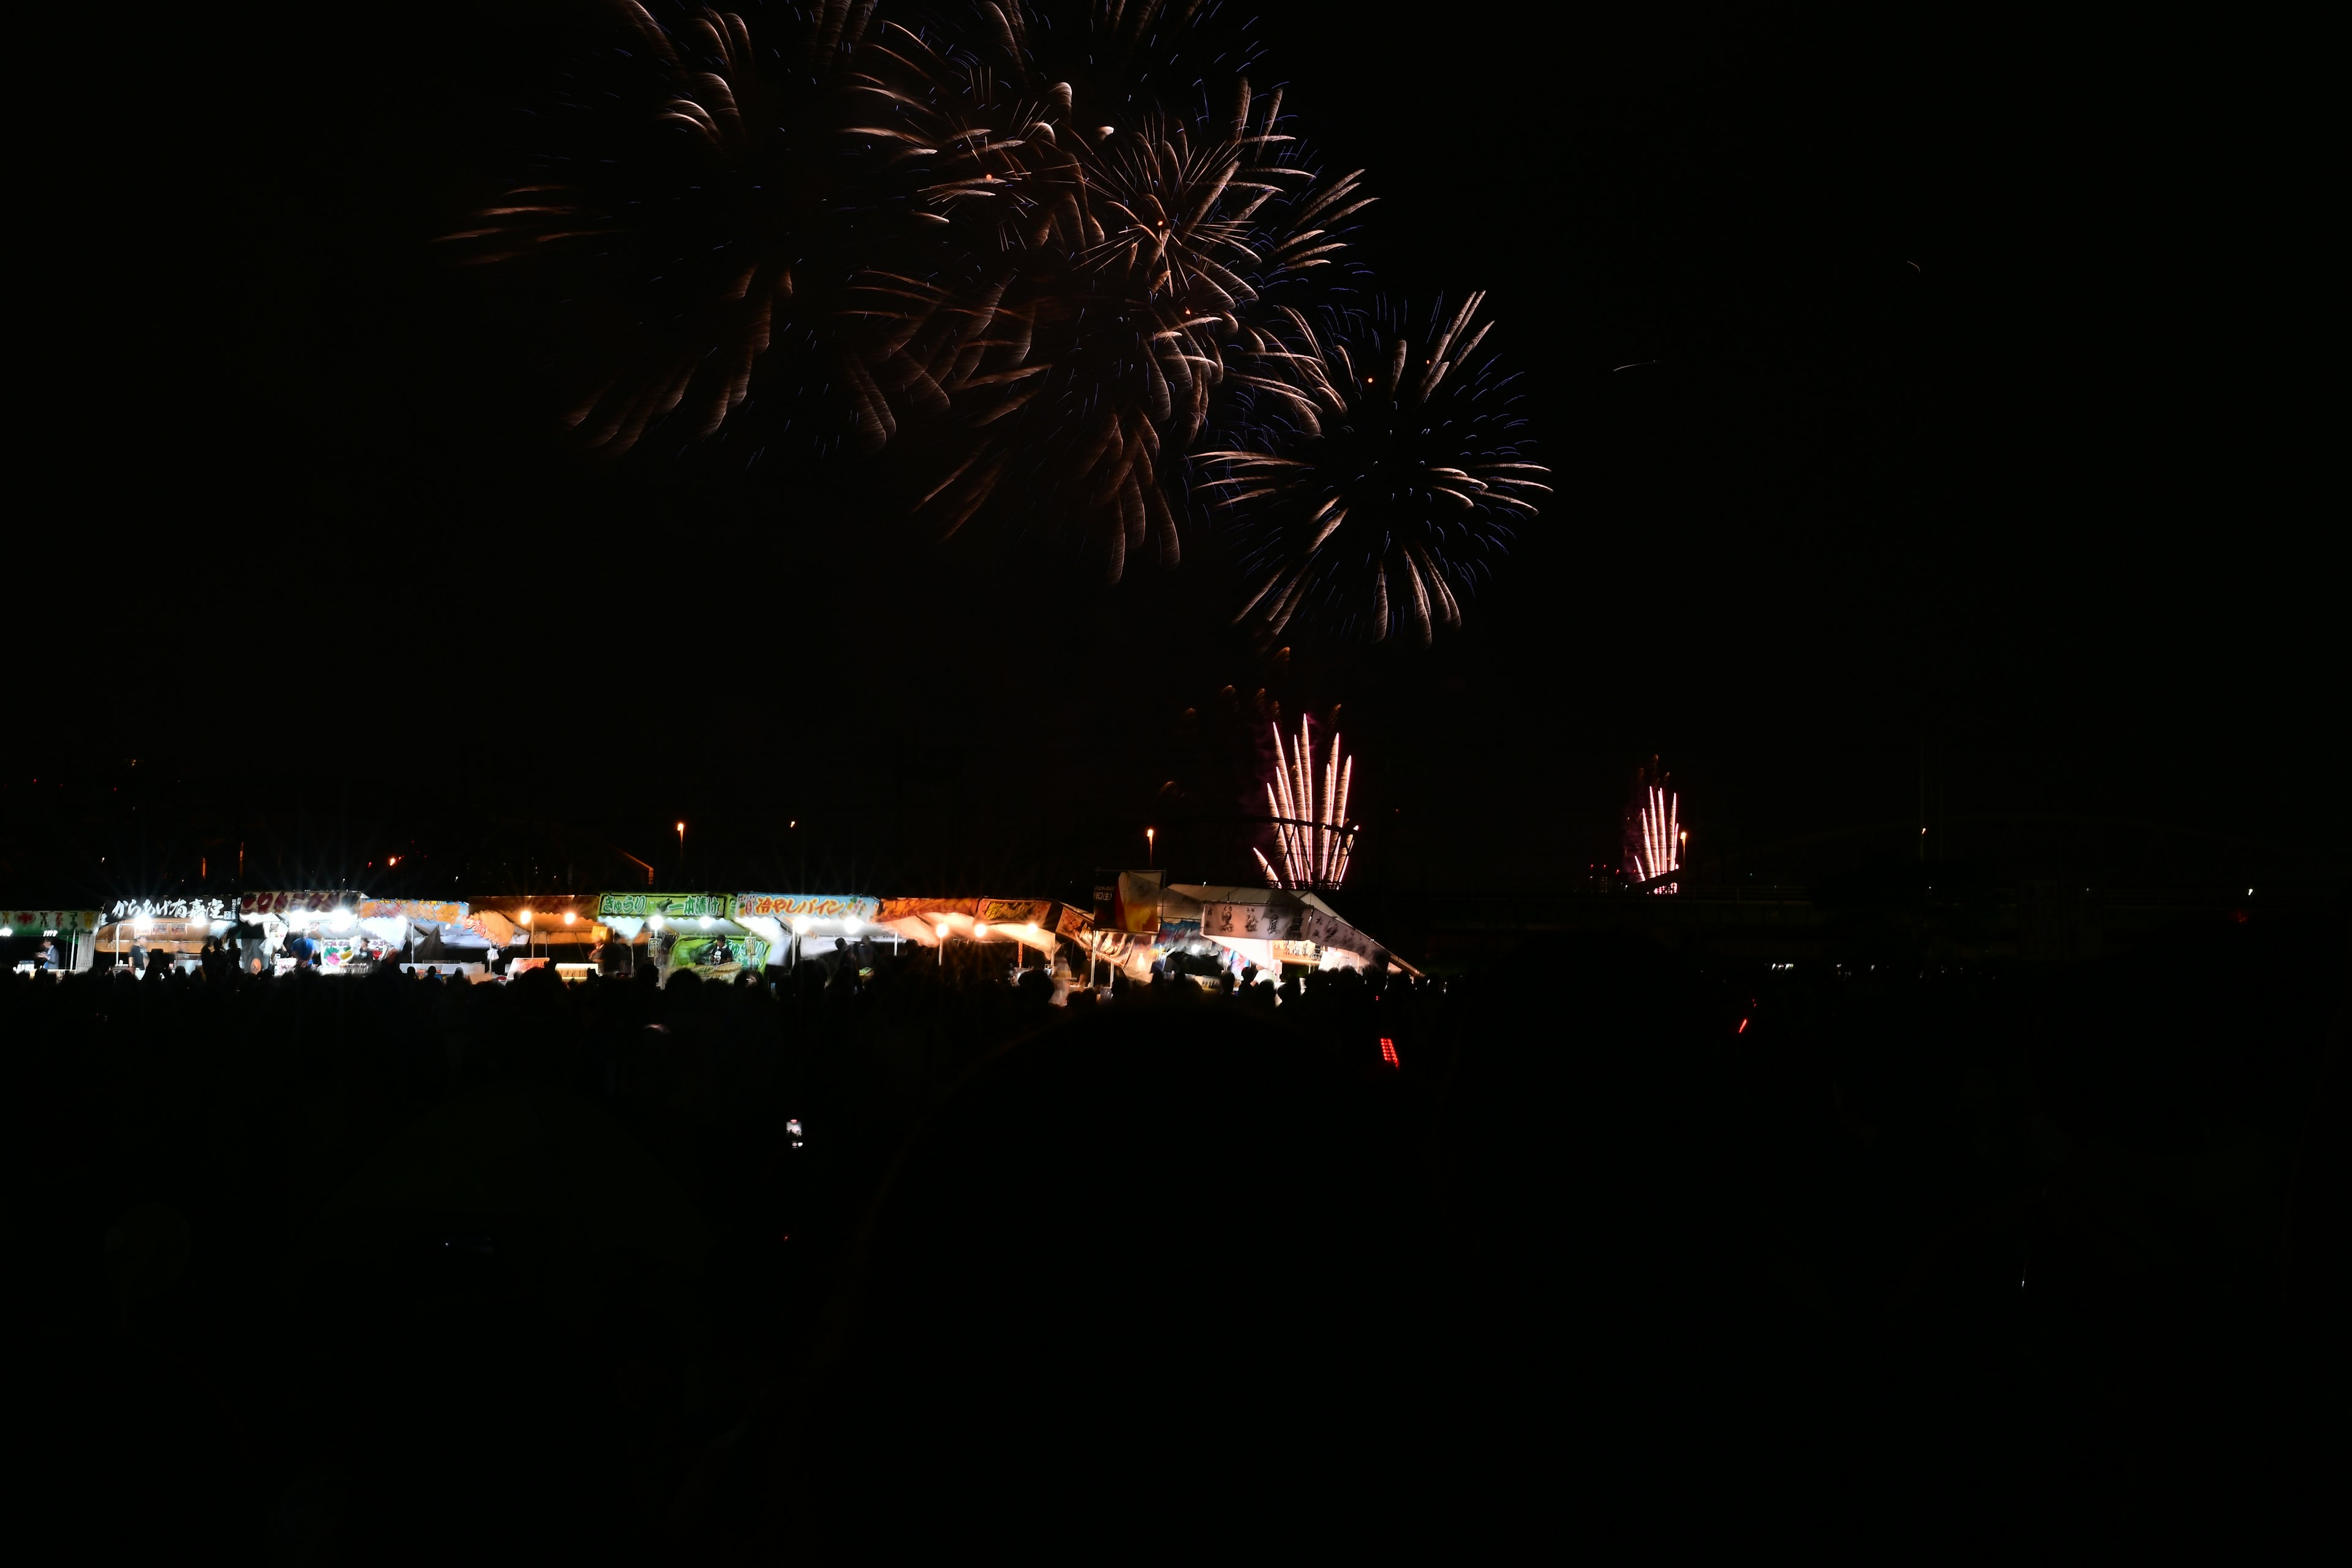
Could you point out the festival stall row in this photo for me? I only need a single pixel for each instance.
(1139, 918)
(719, 935)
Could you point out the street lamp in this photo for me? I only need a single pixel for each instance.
(682, 848)
(1151, 846)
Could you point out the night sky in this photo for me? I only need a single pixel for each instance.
(1968, 410)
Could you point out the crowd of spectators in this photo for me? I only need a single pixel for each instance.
(891, 1257)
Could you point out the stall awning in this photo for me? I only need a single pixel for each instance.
(49, 922)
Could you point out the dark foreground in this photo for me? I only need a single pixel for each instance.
(1943, 1267)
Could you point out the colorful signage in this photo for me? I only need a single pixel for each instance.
(258, 904)
(423, 910)
(806, 905)
(987, 912)
(49, 922)
(669, 906)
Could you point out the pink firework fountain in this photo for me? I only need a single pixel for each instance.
(1312, 833)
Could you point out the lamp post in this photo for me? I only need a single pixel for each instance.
(681, 851)
(1150, 846)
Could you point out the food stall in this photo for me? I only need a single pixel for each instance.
(281, 930)
(809, 925)
(445, 935)
(530, 930)
(685, 932)
(1271, 927)
(73, 931)
(172, 928)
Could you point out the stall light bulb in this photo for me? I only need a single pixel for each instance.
(980, 930)
(853, 925)
(801, 925)
(526, 917)
(940, 930)
(706, 922)
(654, 921)
(570, 918)
(7, 931)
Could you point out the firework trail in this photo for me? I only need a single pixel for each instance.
(1384, 476)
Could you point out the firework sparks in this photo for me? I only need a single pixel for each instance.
(1386, 474)
(715, 231)
(1091, 261)
(1311, 831)
(1655, 839)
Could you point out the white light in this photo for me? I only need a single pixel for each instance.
(940, 930)
(6, 930)
(980, 929)
(800, 924)
(654, 921)
(145, 923)
(1031, 928)
(568, 918)
(525, 917)
(343, 921)
(853, 925)
(708, 922)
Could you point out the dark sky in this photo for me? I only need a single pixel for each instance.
(1972, 400)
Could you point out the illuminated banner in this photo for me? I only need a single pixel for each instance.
(49, 922)
(258, 904)
(1330, 931)
(669, 906)
(170, 909)
(908, 908)
(1270, 922)
(807, 906)
(1075, 922)
(428, 910)
(988, 912)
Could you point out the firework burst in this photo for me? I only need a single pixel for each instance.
(720, 225)
(1382, 477)
(1091, 262)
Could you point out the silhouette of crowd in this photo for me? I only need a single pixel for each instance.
(890, 1257)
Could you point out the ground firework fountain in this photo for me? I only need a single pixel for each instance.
(1310, 813)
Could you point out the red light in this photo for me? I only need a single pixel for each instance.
(1388, 1052)
(1743, 1027)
